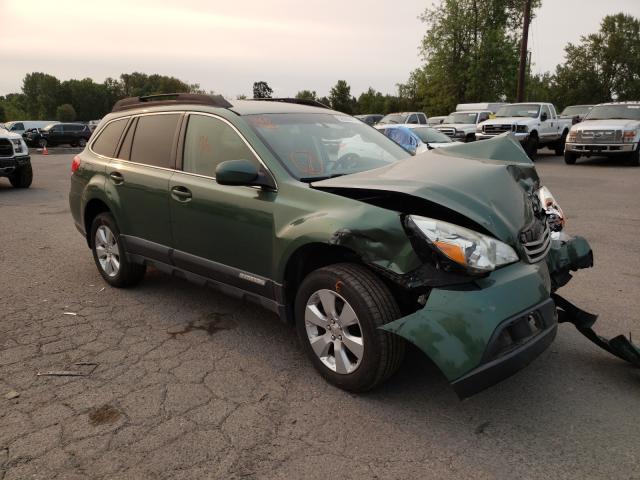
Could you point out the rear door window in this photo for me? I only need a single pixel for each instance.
(107, 141)
(413, 119)
(208, 142)
(423, 118)
(154, 139)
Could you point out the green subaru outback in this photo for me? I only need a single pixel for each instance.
(330, 224)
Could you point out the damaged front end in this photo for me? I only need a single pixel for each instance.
(486, 301)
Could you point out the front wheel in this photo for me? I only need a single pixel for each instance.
(634, 158)
(531, 147)
(338, 311)
(42, 143)
(22, 177)
(570, 158)
(110, 256)
(82, 143)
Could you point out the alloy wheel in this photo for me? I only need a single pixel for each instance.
(334, 331)
(107, 250)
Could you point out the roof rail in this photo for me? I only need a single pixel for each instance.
(299, 101)
(171, 99)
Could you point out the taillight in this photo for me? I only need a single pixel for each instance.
(75, 164)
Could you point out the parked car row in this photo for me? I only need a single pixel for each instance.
(42, 133)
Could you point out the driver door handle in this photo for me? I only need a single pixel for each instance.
(181, 194)
(117, 178)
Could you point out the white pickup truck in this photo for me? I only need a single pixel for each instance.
(609, 129)
(461, 125)
(535, 125)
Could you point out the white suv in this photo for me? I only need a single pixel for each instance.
(610, 129)
(15, 162)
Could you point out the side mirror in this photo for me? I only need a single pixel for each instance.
(543, 117)
(242, 172)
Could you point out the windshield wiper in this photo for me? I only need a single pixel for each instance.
(323, 177)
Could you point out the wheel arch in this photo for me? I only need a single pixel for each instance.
(92, 209)
(306, 259)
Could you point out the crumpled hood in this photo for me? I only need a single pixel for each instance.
(489, 182)
(607, 124)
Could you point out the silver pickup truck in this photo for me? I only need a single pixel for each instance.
(610, 129)
(535, 125)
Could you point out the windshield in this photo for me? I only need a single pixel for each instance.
(604, 112)
(461, 117)
(579, 110)
(519, 110)
(48, 127)
(393, 118)
(430, 135)
(314, 146)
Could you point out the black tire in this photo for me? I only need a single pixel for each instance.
(470, 138)
(82, 143)
(374, 306)
(559, 146)
(570, 158)
(22, 177)
(129, 273)
(42, 143)
(531, 147)
(634, 157)
(73, 144)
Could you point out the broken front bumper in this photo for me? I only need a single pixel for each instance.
(480, 334)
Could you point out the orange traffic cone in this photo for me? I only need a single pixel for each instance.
(45, 151)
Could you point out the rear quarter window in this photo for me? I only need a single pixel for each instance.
(108, 138)
(153, 139)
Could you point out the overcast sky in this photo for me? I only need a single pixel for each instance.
(226, 46)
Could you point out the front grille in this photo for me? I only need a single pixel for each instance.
(536, 241)
(449, 132)
(6, 150)
(496, 129)
(600, 136)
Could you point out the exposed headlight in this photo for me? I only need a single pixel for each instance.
(629, 136)
(522, 129)
(17, 145)
(472, 250)
(555, 215)
(479, 128)
(572, 136)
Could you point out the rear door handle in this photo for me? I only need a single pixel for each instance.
(117, 178)
(181, 194)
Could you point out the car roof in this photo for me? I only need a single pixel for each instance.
(630, 102)
(254, 107)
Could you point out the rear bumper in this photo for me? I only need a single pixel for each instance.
(600, 149)
(9, 164)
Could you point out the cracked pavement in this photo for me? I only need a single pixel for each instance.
(191, 384)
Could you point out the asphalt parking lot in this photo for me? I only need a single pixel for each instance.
(190, 384)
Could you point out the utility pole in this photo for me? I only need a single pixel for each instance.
(523, 51)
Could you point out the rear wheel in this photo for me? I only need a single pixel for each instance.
(110, 256)
(82, 143)
(531, 147)
(338, 311)
(42, 143)
(470, 138)
(570, 158)
(559, 146)
(22, 177)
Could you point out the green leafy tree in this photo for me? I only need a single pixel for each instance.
(262, 90)
(470, 52)
(340, 97)
(370, 101)
(307, 95)
(241, 97)
(604, 66)
(65, 113)
(42, 95)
